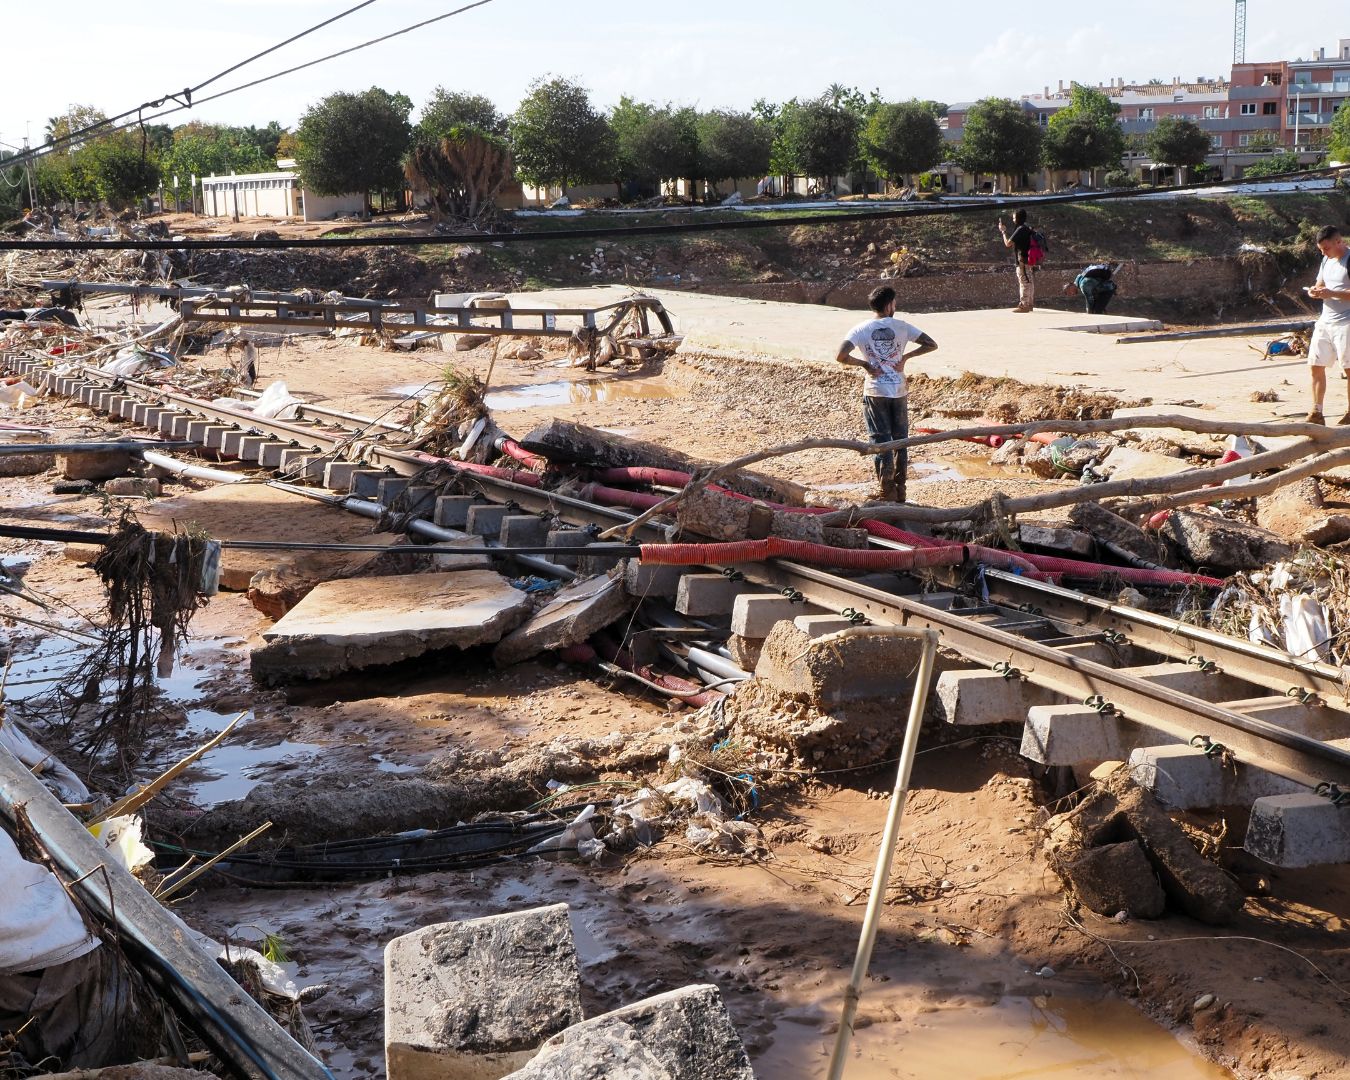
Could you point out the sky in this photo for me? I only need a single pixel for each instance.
(708, 55)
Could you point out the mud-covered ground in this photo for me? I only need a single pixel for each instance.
(980, 967)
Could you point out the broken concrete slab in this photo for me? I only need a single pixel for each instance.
(1118, 810)
(1126, 463)
(1115, 878)
(685, 1034)
(25, 464)
(94, 464)
(1069, 541)
(1296, 830)
(365, 622)
(1215, 542)
(1097, 521)
(277, 589)
(572, 616)
(473, 1000)
(1192, 442)
(835, 669)
(1298, 513)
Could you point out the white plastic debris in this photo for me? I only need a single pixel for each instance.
(17, 394)
(276, 403)
(572, 837)
(1305, 626)
(695, 792)
(67, 786)
(42, 930)
(133, 360)
(1259, 632)
(121, 836)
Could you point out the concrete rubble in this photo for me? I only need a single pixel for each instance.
(573, 615)
(360, 623)
(1223, 545)
(1115, 813)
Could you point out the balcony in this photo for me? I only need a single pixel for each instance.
(1340, 86)
(1321, 119)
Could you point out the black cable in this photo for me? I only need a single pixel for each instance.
(52, 146)
(611, 233)
(280, 45)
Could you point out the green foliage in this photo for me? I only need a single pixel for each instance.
(1085, 135)
(1339, 146)
(1121, 178)
(13, 188)
(354, 142)
(902, 139)
(734, 145)
(559, 137)
(667, 146)
(213, 150)
(448, 113)
(627, 123)
(936, 109)
(1182, 143)
(817, 138)
(120, 168)
(1283, 162)
(1000, 138)
(75, 118)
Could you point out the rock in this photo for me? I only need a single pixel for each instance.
(572, 616)
(73, 487)
(1068, 541)
(734, 199)
(1117, 877)
(1214, 542)
(1203, 1002)
(360, 623)
(685, 1034)
(745, 652)
(1119, 810)
(94, 464)
(475, 999)
(718, 516)
(132, 487)
(1010, 453)
(1124, 463)
(469, 342)
(834, 669)
(1297, 513)
(1095, 520)
(846, 538)
(25, 464)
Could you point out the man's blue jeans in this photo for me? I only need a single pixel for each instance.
(888, 419)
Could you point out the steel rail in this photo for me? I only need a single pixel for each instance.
(1259, 664)
(1302, 759)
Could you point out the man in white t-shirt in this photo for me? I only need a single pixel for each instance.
(880, 350)
(1330, 342)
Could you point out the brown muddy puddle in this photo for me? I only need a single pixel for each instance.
(559, 392)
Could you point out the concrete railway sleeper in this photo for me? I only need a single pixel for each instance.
(1212, 721)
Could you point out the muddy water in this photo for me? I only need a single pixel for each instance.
(1070, 1037)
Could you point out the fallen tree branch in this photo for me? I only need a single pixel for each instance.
(1313, 436)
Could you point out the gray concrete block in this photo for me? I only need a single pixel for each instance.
(123, 406)
(523, 530)
(294, 457)
(233, 438)
(685, 1034)
(974, 698)
(1076, 735)
(94, 464)
(419, 500)
(754, 616)
(1186, 679)
(862, 667)
(573, 615)
(567, 538)
(651, 581)
(819, 626)
(701, 595)
(213, 438)
(473, 1000)
(1315, 721)
(390, 488)
(365, 483)
(452, 511)
(338, 475)
(269, 454)
(1298, 830)
(250, 447)
(485, 519)
(1184, 778)
(139, 409)
(179, 424)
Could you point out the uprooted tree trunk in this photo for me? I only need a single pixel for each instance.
(1324, 447)
(463, 175)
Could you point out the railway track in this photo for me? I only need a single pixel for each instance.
(1204, 720)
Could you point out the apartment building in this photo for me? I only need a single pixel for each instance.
(1257, 109)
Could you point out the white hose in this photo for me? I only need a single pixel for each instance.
(917, 702)
(197, 472)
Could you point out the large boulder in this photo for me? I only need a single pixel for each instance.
(1216, 543)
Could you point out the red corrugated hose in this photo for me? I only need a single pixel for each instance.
(776, 547)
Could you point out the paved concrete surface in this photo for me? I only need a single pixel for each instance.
(1046, 346)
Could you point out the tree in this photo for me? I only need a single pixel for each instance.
(1000, 138)
(817, 139)
(1182, 143)
(1085, 135)
(120, 166)
(463, 173)
(1284, 162)
(448, 112)
(735, 145)
(1339, 145)
(75, 118)
(666, 147)
(13, 188)
(559, 137)
(937, 109)
(627, 123)
(354, 142)
(902, 139)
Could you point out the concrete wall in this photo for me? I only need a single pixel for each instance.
(245, 196)
(324, 207)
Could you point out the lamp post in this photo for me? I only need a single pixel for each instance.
(1298, 97)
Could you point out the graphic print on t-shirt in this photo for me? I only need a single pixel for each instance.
(882, 343)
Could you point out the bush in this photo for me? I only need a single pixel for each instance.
(1120, 178)
(930, 181)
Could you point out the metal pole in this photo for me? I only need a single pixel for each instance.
(918, 700)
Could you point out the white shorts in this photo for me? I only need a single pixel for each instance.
(1330, 344)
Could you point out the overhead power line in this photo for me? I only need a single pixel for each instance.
(50, 147)
(832, 217)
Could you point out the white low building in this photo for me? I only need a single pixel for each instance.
(275, 195)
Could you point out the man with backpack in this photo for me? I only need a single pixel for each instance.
(1095, 286)
(1029, 247)
(1330, 342)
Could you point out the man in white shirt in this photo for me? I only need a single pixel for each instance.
(880, 351)
(1330, 342)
